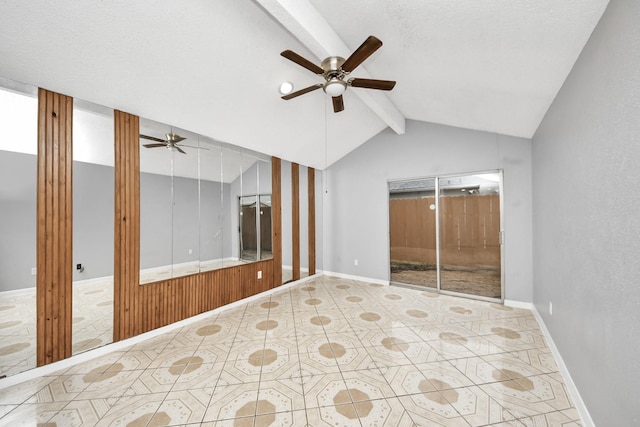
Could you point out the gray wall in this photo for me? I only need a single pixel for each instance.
(92, 220)
(167, 235)
(215, 223)
(355, 216)
(17, 220)
(287, 236)
(586, 220)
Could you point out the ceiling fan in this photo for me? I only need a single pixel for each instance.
(335, 69)
(171, 141)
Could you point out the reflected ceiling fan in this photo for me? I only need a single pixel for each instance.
(171, 141)
(335, 69)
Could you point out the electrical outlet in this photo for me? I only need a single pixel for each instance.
(355, 261)
(259, 274)
(190, 251)
(33, 271)
(550, 309)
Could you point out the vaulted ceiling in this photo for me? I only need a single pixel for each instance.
(214, 67)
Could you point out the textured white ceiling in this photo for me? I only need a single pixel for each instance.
(214, 67)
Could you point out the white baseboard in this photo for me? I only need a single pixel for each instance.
(358, 278)
(587, 421)
(17, 292)
(289, 267)
(93, 281)
(518, 304)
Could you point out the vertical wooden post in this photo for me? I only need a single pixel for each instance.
(295, 220)
(276, 217)
(54, 229)
(127, 314)
(311, 182)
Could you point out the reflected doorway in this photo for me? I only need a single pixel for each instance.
(445, 234)
(255, 228)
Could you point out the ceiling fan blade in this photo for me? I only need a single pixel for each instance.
(153, 145)
(152, 138)
(174, 137)
(302, 91)
(338, 103)
(292, 56)
(179, 149)
(193, 146)
(366, 49)
(372, 84)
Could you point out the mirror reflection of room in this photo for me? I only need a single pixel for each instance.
(193, 194)
(18, 170)
(93, 207)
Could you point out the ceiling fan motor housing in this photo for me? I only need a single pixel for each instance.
(334, 76)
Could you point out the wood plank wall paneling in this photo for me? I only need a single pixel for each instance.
(139, 309)
(54, 228)
(295, 220)
(311, 181)
(127, 315)
(276, 217)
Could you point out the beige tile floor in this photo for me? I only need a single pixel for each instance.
(92, 324)
(328, 352)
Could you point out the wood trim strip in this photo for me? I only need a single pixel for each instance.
(295, 220)
(311, 191)
(54, 255)
(276, 218)
(126, 277)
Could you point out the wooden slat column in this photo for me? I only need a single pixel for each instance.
(127, 315)
(54, 229)
(295, 220)
(276, 218)
(311, 181)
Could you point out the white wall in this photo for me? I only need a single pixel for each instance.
(586, 170)
(355, 217)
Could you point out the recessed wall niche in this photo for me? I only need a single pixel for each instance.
(191, 192)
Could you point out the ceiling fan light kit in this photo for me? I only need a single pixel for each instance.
(334, 69)
(335, 87)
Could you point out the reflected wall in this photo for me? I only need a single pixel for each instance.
(93, 208)
(18, 171)
(204, 204)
